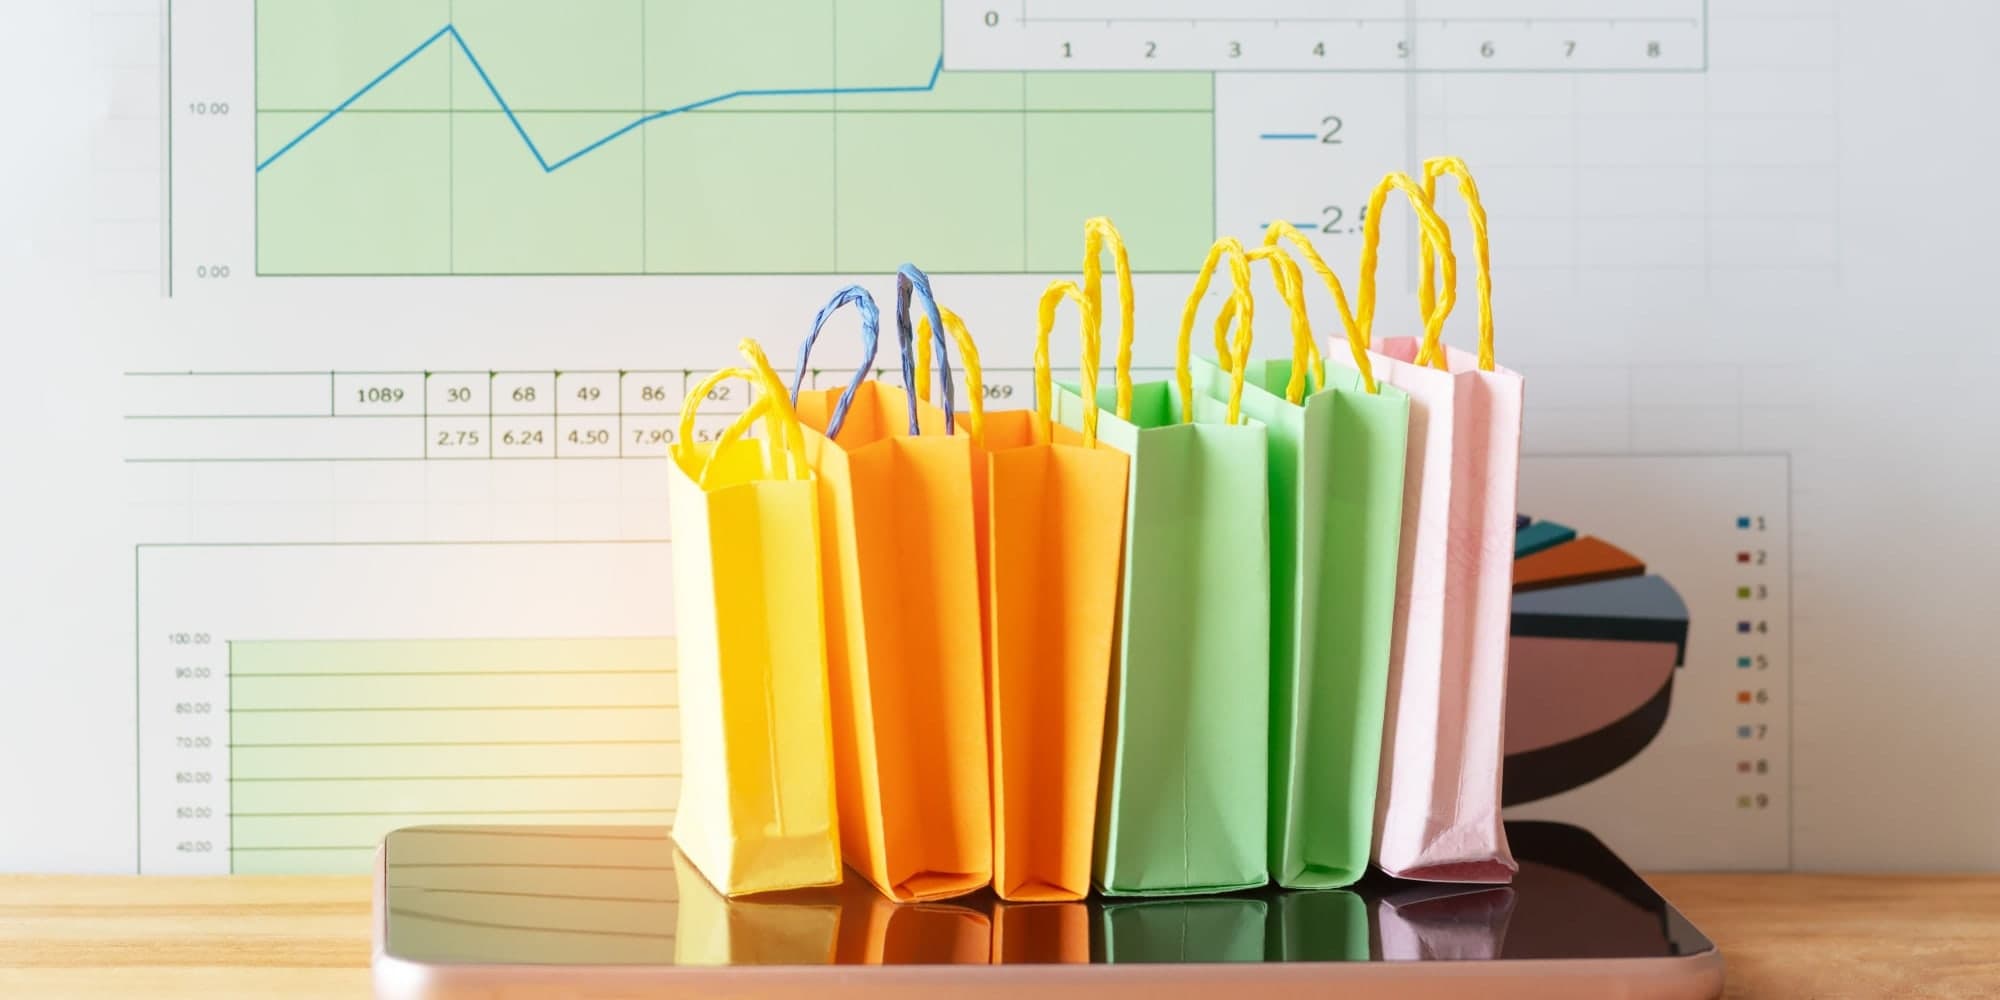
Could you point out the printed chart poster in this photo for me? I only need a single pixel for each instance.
(1648, 667)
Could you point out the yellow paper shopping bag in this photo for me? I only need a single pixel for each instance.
(756, 807)
(900, 564)
(787, 928)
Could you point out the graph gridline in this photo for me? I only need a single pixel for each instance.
(639, 137)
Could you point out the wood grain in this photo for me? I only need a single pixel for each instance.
(1784, 936)
(1836, 936)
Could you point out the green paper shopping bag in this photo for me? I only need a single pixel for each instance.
(1185, 931)
(1183, 795)
(1336, 495)
(1327, 925)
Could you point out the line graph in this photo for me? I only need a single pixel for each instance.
(790, 137)
(451, 31)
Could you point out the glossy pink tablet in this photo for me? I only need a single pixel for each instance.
(525, 912)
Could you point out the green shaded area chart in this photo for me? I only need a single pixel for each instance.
(661, 137)
(334, 743)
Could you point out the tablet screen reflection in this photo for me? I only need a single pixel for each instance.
(622, 896)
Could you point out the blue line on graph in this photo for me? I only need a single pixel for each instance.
(1287, 135)
(451, 31)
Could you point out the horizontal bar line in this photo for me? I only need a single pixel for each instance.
(453, 708)
(450, 812)
(258, 640)
(461, 673)
(410, 458)
(441, 371)
(1276, 21)
(1421, 68)
(580, 931)
(849, 272)
(419, 415)
(368, 847)
(442, 890)
(1287, 135)
(385, 372)
(533, 864)
(453, 743)
(771, 111)
(458, 777)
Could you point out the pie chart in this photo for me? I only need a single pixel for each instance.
(1591, 659)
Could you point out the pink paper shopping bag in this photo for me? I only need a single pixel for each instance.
(1437, 812)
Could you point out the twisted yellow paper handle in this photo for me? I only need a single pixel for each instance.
(1435, 233)
(1052, 298)
(1291, 287)
(968, 355)
(787, 454)
(1237, 359)
(1097, 234)
(1433, 351)
(1357, 344)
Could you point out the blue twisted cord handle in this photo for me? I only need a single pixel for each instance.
(871, 329)
(909, 279)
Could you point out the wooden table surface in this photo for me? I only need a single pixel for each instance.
(1783, 936)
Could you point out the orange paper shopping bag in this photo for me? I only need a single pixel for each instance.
(898, 554)
(1438, 808)
(1054, 524)
(757, 803)
(874, 931)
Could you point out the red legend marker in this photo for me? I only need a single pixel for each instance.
(1743, 697)
(1743, 557)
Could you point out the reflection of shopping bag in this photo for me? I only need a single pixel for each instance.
(1182, 807)
(1438, 813)
(1326, 925)
(902, 620)
(1336, 468)
(1445, 923)
(875, 931)
(756, 803)
(792, 928)
(1054, 517)
(1185, 931)
(1041, 933)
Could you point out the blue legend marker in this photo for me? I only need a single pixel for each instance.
(1742, 663)
(1743, 628)
(1742, 732)
(1743, 524)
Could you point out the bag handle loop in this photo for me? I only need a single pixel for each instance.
(871, 327)
(1482, 255)
(1357, 345)
(786, 457)
(1099, 233)
(1305, 352)
(1239, 357)
(1434, 233)
(910, 281)
(968, 353)
(1052, 298)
